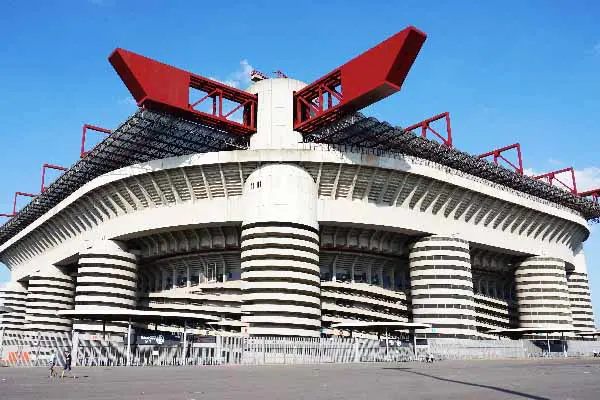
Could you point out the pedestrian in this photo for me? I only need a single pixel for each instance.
(52, 364)
(67, 363)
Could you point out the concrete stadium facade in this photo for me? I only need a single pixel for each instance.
(289, 238)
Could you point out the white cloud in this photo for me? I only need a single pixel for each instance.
(530, 172)
(587, 178)
(127, 101)
(239, 78)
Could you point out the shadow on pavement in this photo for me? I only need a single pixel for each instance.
(499, 389)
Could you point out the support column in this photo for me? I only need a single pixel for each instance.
(50, 290)
(542, 293)
(106, 280)
(579, 293)
(14, 296)
(441, 286)
(280, 253)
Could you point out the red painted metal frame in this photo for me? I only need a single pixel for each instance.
(49, 166)
(83, 152)
(165, 88)
(594, 194)
(425, 127)
(14, 211)
(497, 153)
(364, 80)
(550, 177)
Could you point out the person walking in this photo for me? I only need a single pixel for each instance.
(52, 364)
(67, 363)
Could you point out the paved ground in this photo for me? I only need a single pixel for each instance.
(539, 379)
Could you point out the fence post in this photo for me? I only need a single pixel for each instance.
(2, 343)
(184, 351)
(74, 347)
(128, 342)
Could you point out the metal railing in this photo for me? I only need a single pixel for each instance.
(36, 349)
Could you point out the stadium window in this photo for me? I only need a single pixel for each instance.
(257, 184)
(252, 185)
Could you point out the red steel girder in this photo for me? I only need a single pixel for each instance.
(83, 152)
(165, 88)
(362, 81)
(497, 154)
(550, 177)
(49, 166)
(594, 194)
(14, 210)
(425, 127)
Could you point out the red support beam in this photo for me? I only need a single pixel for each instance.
(364, 80)
(159, 86)
(425, 127)
(83, 152)
(49, 166)
(594, 194)
(551, 177)
(497, 157)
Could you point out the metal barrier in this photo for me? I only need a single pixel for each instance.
(36, 349)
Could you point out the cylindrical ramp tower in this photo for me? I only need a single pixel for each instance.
(280, 253)
(50, 290)
(441, 287)
(579, 293)
(542, 293)
(106, 280)
(14, 296)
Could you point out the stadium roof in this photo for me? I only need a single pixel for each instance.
(146, 135)
(359, 131)
(149, 135)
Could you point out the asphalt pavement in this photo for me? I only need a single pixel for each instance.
(568, 379)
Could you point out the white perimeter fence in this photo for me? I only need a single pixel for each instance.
(25, 349)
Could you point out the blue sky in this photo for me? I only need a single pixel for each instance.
(507, 72)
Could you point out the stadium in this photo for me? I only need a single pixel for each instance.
(280, 210)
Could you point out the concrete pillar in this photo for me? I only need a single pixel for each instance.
(50, 289)
(106, 280)
(275, 118)
(14, 296)
(280, 252)
(441, 286)
(542, 293)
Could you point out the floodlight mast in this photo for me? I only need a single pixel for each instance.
(49, 166)
(17, 194)
(551, 177)
(84, 130)
(498, 156)
(425, 127)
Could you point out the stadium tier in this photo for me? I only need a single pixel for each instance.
(289, 213)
